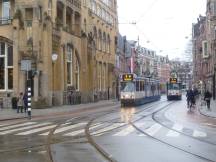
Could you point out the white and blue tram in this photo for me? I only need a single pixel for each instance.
(138, 90)
(174, 89)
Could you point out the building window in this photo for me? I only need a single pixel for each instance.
(5, 9)
(100, 76)
(108, 44)
(77, 74)
(6, 66)
(99, 11)
(50, 8)
(100, 40)
(104, 42)
(69, 65)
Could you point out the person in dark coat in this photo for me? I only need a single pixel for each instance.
(25, 101)
(190, 97)
(207, 98)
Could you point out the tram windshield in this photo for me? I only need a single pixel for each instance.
(174, 86)
(128, 86)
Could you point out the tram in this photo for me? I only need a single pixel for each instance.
(136, 90)
(174, 89)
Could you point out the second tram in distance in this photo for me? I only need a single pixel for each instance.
(174, 89)
(138, 90)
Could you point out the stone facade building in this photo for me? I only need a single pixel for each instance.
(67, 47)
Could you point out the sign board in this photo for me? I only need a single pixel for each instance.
(173, 80)
(26, 65)
(127, 77)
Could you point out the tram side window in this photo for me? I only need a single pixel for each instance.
(141, 85)
(137, 86)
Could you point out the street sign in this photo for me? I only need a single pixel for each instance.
(26, 65)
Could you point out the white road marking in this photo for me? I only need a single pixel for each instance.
(37, 130)
(17, 125)
(75, 133)
(113, 126)
(197, 133)
(81, 131)
(23, 128)
(172, 133)
(59, 130)
(125, 131)
(153, 129)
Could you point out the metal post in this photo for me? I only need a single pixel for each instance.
(214, 86)
(29, 94)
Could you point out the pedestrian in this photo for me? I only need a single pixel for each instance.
(207, 98)
(25, 101)
(20, 103)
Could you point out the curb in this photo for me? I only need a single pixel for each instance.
(204, 114)
(59, 113)
(8, 119)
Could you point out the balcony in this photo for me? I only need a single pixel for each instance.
(5, 21)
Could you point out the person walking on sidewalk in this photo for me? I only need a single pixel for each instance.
(20, 103)
(207, 98)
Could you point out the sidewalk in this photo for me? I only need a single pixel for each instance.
(7, 114)
(209, 113)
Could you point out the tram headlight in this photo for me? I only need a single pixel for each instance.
(132, 96)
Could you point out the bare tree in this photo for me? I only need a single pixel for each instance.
(188, 55)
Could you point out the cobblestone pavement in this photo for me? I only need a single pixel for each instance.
(204, 110)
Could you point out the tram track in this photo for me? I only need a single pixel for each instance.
(88, 135)
(164, 142)
(180, 132)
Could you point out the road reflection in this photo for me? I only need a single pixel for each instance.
(127, 114)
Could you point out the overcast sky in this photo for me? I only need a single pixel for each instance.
(162, 25)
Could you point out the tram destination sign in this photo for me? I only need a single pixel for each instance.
(127, 77)
(173, 80)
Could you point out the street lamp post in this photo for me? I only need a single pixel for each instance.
(54, 58)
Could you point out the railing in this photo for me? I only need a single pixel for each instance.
(5, 20)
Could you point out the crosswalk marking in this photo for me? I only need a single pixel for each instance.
(59, 130)
(197, 133)
(125, 131)
(74, 133)
(176, 127)
(172, 133)
(153, 129)
(23, 128)
(43, 128)
(37, 130)
(113, 126)
(17, 125)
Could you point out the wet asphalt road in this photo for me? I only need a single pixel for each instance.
(157, 132)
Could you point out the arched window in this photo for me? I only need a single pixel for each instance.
(77, 73)
(99, 40)
(104, 42)
(6, 66)
(69, 65)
